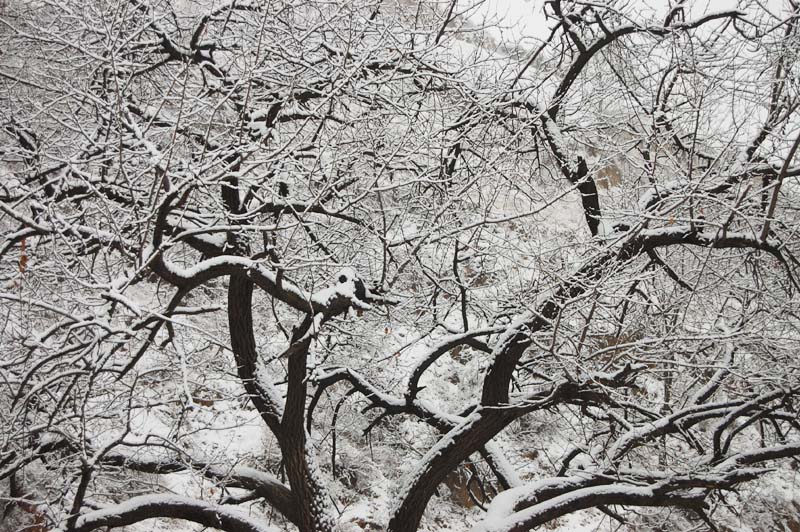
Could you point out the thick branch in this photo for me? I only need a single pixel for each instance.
(263, 484)
(170, 506)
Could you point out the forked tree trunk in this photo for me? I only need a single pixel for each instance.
(312, 499)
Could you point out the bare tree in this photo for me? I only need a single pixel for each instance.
(565, 269)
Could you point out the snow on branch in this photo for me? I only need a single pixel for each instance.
(171, 506)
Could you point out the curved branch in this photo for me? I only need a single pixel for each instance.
(589, 497)
(475, 431)
(583, 59)
(523, 508)
(444, 346)
(262, 484)
(517, 338)
(170, 506)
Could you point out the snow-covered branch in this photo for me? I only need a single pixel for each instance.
(145, 507)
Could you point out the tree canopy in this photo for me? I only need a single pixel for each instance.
(370, 265)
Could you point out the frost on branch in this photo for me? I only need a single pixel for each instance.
(195, 198)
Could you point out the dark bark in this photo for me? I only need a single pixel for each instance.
(589, 198)
(150, 507)
(309, 493)
(459, 444)
(471, 435)
(263, 485)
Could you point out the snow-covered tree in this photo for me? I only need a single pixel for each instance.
(314, 265)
